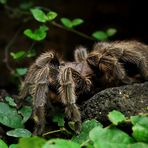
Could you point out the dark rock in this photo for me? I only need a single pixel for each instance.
(129, 99)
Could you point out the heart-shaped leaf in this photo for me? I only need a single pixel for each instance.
(100, 35)
(67, 22)
(18, 55)
(51, 15)
(60, 143)
(39, 15)
(59, 119)
(71, 23)
(31, 142)
(87, 126)
(103, 137)
(77, 21)
(10, 101)
(111, 31)
(19, 132)
(3, 144)
(21, 71)
(9, 116)
(26, 112)
(116, 117)
(37, 35)
(140, 128)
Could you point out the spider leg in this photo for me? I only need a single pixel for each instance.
(80, 54)
(36, 84)
(68, 97)
(139, 60)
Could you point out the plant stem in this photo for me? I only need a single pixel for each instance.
(7, 48)
(55, 131)
(85, 142)
(72, 30)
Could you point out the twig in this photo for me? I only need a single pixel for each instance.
(55, 131)
(72, 30)
(7, 48)
(85, 142)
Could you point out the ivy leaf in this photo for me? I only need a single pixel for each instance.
(116, 117)
(10, 101)
(18, 55)
(3, 144)
(103, 137)
(100, 35)
(39, 15)
(60, 143)
(77, 22)
(111, 31)
(9, 116)
(21, 71)
(37, 35)
(59, 118)
(51, 15)
(19, 132)
(31, 142)
(26, 112)
(140, 128)
(67, 22)
(87, 126)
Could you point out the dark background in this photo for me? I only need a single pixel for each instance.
(128, 17)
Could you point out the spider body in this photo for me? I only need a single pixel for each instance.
(49, 79)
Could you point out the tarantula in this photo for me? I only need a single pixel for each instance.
(107, 65)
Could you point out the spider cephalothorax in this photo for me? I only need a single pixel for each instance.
(107, 65)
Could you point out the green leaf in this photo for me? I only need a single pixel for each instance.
(87, 126)
(71, 23)
(9, 116)
(60, 143)
(19, 132)
(13, 146)
(59, 118)
(21, 71)
(77, 21)
(140, 128)
(31, 53)
(138, 145)
(39, 15)
(100, 35)
(51, 15)
(18, 55)
(111, 31)
(3, 1)
(67, 22)
(32, 142)
(103, 137)
(26, 112)
(10, 101)
(37, 35)
(3, 144)
(116, 117)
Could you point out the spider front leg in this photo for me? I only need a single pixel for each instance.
(68, 96)
(36, 84)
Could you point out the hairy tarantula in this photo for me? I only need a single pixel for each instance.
(107, 65)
